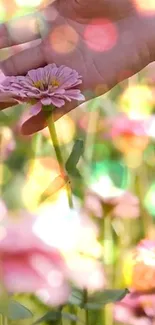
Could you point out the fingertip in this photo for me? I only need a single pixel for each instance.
(38, 122)
(4, 105)
(34, 124)
(23, 61)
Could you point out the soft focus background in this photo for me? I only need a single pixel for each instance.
(117, 167)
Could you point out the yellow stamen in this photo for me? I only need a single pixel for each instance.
(38, 84)
(55, 83)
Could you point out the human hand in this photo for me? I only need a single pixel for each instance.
(105, 41)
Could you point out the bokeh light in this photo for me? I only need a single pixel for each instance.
(112, 173)
(41, 173)
(65, 128)
(67, 230)
(64, 39)
(149, 200)
(101, 35)
(2, 12)
(17, 29)
(28, 3)
(10, 9)
(137, 101)
(145, 6)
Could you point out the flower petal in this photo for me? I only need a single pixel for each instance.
(57, 102)
(46, 101)
(35, 109)
(19, 276)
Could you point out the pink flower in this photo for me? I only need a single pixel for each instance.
(28, 264)
(123, 125)
(7, 142)
(46, 86)
(30, 253)
(129, 135)
(136, 309)
(68, 231)
(122, 205)
(143, 273)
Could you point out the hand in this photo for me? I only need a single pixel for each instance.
(103, 40)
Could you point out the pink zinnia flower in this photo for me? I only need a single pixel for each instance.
(46, 86)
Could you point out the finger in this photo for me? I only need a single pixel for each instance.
(6, 100)
(4, 105)
(18, 31)
(24, 61)
(38, 122)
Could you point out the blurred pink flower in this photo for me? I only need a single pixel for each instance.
(68, 231)
(129, 134)
(143, 273)
(30, 253)
(46, 86)
(136, 309)
(7, 142)
(86, 272)
(124, 205)
(123, 125)
(28, 264)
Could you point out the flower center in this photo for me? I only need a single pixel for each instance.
(55, 83)
(39, 84)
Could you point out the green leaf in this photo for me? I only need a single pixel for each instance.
(15, 311)
(76, 298)
(107, 296)
(52, 316)
(75, 155)
(71, 317)
(54, 187)
(75, 173)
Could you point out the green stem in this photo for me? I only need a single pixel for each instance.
(36, 145)
(69, 194)
(55, 141)
(94, 115)
(4, 320)
(73, 311)
(85, 299)
(53, 134)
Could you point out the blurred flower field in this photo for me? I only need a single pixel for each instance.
(106, 241)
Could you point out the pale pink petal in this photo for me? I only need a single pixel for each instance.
(93, 205)
(33, 74)
(51, 71)
(19, 276)
(126, 211)
(3, 210)
(34, 94)
(74, 94)
(86, 273)
(56, 295)
(57, 102)
(46, 101)
(35, 109)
